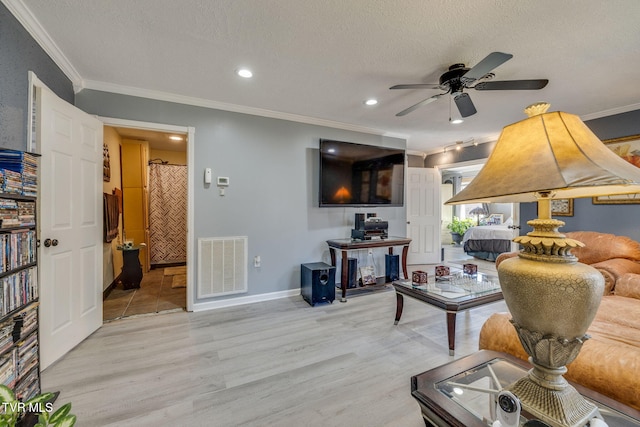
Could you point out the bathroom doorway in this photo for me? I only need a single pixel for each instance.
(154, 191)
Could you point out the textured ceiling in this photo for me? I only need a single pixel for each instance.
(322, 58)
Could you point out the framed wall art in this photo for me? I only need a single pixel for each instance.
(561, 207)
(628, 148)
(106, 163)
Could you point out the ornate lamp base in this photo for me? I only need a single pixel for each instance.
(553, 299)
(561, 407)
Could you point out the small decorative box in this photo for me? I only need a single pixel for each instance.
(470, 269)
(442, 270)
(419, 277)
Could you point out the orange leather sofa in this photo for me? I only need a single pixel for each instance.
(609, 361)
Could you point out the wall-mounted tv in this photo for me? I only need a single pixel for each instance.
(360, 175)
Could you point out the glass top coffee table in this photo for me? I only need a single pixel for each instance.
(463, 393)
(454, 293)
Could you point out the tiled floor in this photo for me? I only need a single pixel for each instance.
(155, 295)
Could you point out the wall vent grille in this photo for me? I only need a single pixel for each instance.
(222, 266)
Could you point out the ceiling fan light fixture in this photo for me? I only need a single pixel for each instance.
(479, 77)
(455, 121)
(370, 102)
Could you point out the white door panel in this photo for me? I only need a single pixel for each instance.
(71, 213)
(423, 215)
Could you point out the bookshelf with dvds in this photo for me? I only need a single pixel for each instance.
(19, 340)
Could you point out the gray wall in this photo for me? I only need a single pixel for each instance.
(615, 219)
(272, 198)
(19, 53)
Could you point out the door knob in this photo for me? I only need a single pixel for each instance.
(50, 242)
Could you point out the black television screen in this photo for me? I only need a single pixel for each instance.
(360, 175)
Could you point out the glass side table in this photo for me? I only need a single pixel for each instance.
(463, 393)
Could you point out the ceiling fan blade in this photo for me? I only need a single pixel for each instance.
(419, 104)
(490, 62)
(416, 86)
(465, 105)
(512, 85)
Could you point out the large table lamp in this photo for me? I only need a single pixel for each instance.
(551, 296)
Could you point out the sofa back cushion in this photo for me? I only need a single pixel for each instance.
(602, 246)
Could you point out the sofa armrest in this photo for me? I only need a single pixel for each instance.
(498, 334)
(628, 286)
(613, 269)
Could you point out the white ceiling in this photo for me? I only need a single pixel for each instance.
(318, 60)
(156, 140)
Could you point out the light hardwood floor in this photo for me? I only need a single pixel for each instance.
(276, 363)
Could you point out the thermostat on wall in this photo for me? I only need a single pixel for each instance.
(223, 181)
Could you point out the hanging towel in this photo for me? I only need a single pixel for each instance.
(111, 212)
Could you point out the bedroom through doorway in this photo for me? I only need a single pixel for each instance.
(494, 225)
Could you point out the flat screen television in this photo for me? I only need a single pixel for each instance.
(360, 175)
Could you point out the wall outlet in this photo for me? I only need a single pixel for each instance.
(256, 261)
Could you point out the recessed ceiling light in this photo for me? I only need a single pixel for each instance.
(456, 121)
(244, 72)
(175, 138)
(371, 102)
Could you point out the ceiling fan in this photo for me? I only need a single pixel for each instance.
(459, 77)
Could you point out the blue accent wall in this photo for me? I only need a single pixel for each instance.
(19, 54)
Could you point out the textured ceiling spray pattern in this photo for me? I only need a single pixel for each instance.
(321, 59)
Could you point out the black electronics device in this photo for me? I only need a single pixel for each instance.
(369, 228)
(391, 267)
(352, 271)
(317, 282)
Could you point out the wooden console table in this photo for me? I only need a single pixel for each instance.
(346, 245)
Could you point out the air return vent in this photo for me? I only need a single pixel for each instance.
(222, 266)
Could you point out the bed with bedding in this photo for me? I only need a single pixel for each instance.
(488, 241)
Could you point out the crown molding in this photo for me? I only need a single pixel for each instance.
(22, 13)
(206, 103)
(611, 112)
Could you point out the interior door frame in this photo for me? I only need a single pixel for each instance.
(190, 132)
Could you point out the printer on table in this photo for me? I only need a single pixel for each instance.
(369, 228)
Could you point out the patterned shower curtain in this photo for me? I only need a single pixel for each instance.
(167, 213)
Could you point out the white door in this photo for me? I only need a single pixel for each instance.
(515, 216)
(70, 221)
(424, 208)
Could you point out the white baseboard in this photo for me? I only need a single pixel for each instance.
(250, 299)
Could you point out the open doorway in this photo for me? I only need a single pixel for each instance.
(494, 225)
(149, 170)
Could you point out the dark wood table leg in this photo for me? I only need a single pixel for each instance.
(332, 253)
(451, 331)
(399, 307)
(344, 276)
(405, 250)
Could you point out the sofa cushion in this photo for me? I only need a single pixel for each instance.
(613, 269)
(602, 246)
(628, 286)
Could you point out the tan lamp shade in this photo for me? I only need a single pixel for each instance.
(549, 152)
